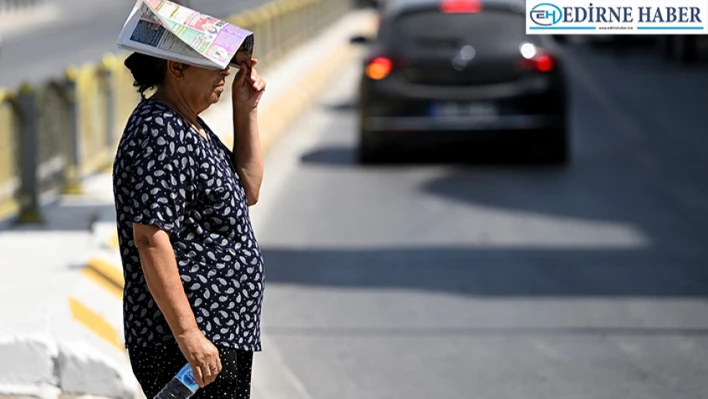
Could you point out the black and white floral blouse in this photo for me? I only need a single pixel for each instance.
(166, 174)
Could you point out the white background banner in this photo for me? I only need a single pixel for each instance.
(617, 17)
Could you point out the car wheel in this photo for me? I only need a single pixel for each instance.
(557, 150)
(368, 152)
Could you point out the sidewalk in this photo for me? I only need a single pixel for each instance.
(61, 282)
(43, 347)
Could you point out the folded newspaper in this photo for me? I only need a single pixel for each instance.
(170, 31)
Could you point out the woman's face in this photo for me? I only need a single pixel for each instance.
(202, 87)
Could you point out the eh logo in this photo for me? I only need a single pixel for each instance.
(546, 14)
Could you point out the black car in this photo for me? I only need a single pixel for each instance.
(459, 71)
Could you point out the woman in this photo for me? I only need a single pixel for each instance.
(193, 269)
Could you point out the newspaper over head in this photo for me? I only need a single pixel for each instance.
(167, 30)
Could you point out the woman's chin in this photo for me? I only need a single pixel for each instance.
(216, 95)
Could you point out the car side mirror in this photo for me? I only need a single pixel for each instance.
(360, 39)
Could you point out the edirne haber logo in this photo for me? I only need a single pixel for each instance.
(605, 17)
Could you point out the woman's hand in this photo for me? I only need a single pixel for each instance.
(248, 87)
(202, 356)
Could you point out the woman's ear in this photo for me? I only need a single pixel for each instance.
(176, 69)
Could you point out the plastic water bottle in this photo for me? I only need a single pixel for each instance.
(182, 386)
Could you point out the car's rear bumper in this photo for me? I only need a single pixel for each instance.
(423, 132)
(390, 113)
(460, 124)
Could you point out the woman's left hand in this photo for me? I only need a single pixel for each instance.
(248, 87)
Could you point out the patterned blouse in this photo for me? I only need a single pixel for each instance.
(166, 174)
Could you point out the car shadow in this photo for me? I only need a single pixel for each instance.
(342, 106)
(499, 155)
(490, 272)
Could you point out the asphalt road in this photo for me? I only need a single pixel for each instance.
(83, 31)
(498, 281)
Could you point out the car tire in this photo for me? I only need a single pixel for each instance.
(558, 148)
(368, 152)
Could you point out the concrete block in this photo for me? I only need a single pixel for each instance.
(85, 371)
(28, 361)
(28, 392)
(70, 396)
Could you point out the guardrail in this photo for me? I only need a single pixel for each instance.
(55, 134)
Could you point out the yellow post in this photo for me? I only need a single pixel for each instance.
(73, 186)
(9, 137)
(30, 211)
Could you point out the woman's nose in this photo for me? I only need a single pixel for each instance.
(226, 71)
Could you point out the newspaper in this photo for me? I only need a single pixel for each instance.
(168, 30)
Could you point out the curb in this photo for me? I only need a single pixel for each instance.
(105, 274)
(53, 370)
(95, 307)
(98, 297)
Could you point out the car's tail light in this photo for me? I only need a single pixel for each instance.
(379, 67)
(543, 63)
(540, 63)
(460, 6)
(536, 59)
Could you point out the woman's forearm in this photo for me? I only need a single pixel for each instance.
(248, 158)
(158, 262)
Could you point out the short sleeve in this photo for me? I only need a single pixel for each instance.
(162, 175)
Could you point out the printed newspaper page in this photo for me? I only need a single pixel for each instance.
(144, 33)
(211, 37)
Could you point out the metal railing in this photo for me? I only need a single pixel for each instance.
(16, 5)
(55, 134)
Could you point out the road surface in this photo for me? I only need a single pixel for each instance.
(497, 281)
(82, 31)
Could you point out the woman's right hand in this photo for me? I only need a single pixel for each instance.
(201, 354)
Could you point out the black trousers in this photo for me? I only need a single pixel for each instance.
(154, 367)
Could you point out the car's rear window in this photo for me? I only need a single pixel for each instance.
(435, 28)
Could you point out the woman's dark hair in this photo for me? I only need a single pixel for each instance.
(148, 71)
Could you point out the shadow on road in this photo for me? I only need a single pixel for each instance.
(344, 106)
(502, 156)
(494, 272)
(483, 332)
(329, 156)
(669, 262)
